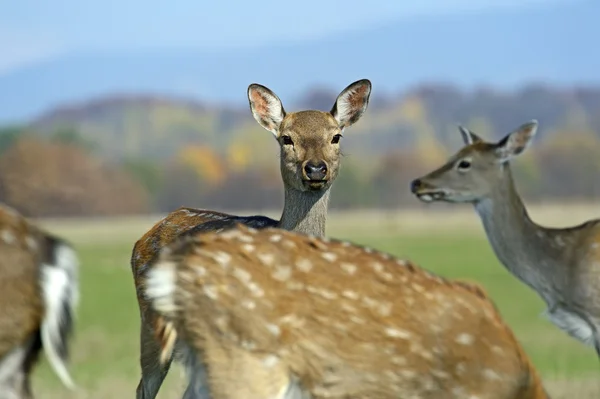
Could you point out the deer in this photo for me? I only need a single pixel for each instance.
(283, 315)
(562, 265)
(39, 294)
(310, 154)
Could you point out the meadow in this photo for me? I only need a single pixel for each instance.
(446, 240)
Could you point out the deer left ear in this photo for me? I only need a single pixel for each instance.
(352, 103)
(468, 136)
(516, 142)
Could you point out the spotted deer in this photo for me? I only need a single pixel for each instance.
(309, 161)
(38, 298)
(284, 315)
(561, 264)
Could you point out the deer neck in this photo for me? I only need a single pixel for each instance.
(305, 211)
(526, 249)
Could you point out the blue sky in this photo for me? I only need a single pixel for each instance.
(31, 30)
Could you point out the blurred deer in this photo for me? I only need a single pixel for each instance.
(38, 296)
(282, 315)
(310, 160)
(561, 264)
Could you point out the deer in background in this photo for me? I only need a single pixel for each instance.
(561, 264)
(281, 315)
(310, 159)
(38, 296)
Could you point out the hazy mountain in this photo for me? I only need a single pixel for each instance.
(555, 45)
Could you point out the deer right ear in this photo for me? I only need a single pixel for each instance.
(468, 136)
(351, 103)
(516, 142)
(266, 107)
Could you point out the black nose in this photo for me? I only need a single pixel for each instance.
(414, 185)
(315, 171)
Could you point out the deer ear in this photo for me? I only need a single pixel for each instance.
(468, 136)
(266, 107)
(516, 142)
(352, 103)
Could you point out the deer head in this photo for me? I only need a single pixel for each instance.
(471, 174)
(309, 140)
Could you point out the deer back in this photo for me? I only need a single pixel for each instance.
(344, 320)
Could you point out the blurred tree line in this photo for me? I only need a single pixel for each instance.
(117, 157)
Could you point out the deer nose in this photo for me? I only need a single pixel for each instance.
(315, 171)
(415, 185)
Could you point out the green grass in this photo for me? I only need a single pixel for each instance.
(104, 355)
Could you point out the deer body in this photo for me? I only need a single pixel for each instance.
(309, 162)
(561, 264)
(38, 296)
(282, 315)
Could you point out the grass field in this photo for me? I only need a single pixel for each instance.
(447, 241)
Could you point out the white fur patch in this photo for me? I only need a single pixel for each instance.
(160, 287)
(572, 324)
(60, 287)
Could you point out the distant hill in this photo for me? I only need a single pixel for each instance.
(555, 45)
(157, 127)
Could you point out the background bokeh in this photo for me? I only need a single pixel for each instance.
(113, 113)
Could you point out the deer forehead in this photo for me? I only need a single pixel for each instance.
(309, 124)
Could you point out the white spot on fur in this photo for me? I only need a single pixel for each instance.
(249, 248)
(31, 243)
(282, 273)
(464, 339)
(329, 256)
(357, 320)
(7, 236)
(245, 238)
(274, 329)
(266, 258)
(255, 289)
(270, 361)
(210, 291)
(242, 275)
(491, 375)
(401, 262)
(222, 257)
(349, 294)
(304, 265)
(399, 360)
(275, 238)
(248, 304)
(397, 333)
(349, 268)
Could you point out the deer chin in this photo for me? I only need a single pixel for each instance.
(431, 195)
(315, 185)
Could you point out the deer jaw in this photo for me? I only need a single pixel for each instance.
(272, 310)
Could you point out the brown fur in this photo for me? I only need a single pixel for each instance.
(271, 308)
(312, 134)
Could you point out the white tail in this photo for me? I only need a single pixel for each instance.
(59, 282)
(277, 314)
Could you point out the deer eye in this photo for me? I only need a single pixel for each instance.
(463, 165)
(336, 139)
(287, 140)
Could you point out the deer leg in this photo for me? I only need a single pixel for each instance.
(153, 373)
